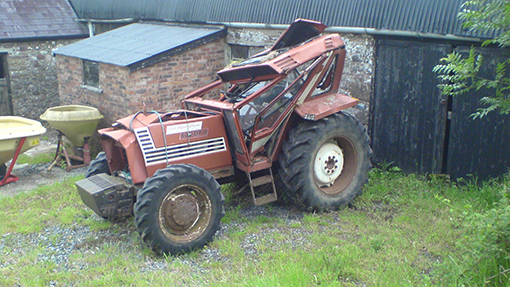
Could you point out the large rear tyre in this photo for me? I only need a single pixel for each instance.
(179, 209)
(98, 165)
(324, 164)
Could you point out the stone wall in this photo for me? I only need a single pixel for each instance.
(161, 86)
(358, 72)
(33, 76)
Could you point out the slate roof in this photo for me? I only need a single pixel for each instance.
(423, 16)
(38, 19)
(141, 44)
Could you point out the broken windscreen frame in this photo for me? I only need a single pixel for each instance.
(298, 32)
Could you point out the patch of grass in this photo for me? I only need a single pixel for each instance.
(312, 218)
(228, 191)
(231, 247)
(47, 205)
(296, 225)
(38, 158)
(404, 230)
(232, 214)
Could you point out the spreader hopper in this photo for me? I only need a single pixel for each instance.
(76, 122)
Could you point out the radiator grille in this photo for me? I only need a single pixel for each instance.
(154, 155)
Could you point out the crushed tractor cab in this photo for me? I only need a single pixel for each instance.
(276, 114)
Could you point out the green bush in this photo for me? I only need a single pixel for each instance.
(487, 244)
(484, 257)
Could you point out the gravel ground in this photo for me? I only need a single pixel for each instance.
(56, 243)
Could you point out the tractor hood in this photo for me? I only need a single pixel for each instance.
(273, 61)
(299, 31)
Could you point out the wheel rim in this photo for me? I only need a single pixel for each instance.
(185, 213)
(328, 164)
(335, 164)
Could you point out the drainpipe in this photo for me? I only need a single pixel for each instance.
(123, 20)
(355, 30)
(90, 23)
(346, 30)
(372, 31)
(91, 29)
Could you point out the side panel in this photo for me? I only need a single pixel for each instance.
(121, 146)
(321, 107)
(200, 141)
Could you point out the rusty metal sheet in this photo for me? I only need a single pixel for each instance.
(321, 107)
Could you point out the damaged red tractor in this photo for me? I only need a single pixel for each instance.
(276, 113)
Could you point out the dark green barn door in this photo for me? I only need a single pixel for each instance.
(479, 147)
(408, 113)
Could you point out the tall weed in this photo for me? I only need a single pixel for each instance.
(483, 256)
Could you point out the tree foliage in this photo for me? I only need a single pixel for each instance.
(461, 75)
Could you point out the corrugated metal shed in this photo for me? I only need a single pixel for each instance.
(138, 45)
(423, 16)
(36, 19)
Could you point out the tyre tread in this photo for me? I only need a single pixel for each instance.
(145, 208)
(295, 153)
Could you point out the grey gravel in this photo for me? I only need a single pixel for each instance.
(57, 243)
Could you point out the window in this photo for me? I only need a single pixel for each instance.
(241, 52)
(3, 67)
(91, 73)
(276, 110)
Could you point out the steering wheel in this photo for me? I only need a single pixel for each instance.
(230, 96)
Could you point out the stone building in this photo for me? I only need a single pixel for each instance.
(29, 31)
(139, 66)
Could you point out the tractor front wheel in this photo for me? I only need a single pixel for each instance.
(179, 209)
(324, 164)
(98, 165)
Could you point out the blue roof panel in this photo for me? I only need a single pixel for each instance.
(134, 43)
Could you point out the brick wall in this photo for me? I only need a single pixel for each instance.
(161, 86)
(164, 85)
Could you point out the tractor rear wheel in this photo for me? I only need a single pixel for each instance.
(179, 209)
(98, 165)
(324, 164)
